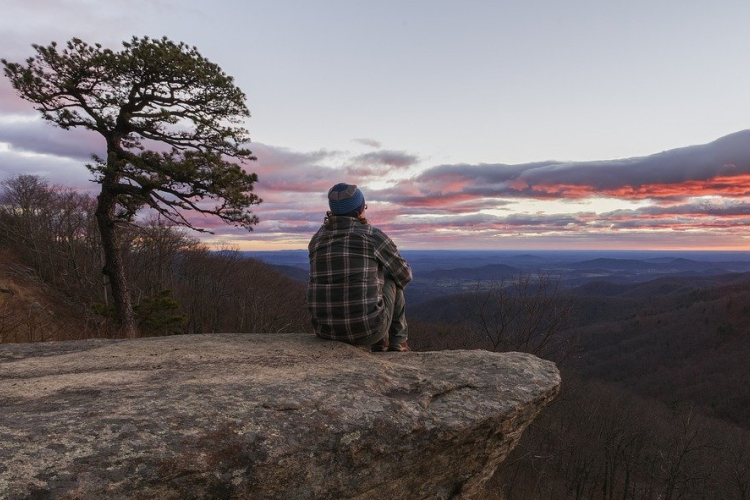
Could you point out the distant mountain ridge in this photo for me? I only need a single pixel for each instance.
(488, 272)
(438, 273)
(613, 264)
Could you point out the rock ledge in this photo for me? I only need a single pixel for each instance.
(283, 416)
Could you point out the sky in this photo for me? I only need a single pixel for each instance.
(504, 124)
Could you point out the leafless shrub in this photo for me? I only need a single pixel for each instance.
(526, 313)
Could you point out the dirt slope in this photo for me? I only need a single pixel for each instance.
(31, 310)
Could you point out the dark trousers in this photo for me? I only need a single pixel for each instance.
(395, 310)
(395, 305)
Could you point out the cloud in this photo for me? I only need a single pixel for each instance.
(496, 223)
(282, 172)
(37, 136)
(395, 159)
(715, 208)
(379, 163)
(696, 215)
(720, 167)
(57, 170)
(369, 142)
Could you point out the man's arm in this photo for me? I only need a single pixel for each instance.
(387, 253)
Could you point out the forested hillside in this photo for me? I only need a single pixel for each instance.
(689, 346)
(48, 237)
(655, 401)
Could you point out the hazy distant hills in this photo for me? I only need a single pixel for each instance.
(488, 272)
(660, 265)
(607, 275)
(603, 264)
(440, 273)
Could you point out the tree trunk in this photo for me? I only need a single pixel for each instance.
(113, 266)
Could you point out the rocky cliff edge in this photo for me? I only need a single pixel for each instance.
(283, 416)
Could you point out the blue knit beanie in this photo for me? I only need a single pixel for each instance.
(346, 199)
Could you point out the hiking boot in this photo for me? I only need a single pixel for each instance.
(381, 346)
(402, 347)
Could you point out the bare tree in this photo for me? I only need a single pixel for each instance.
(11, 316)
(54, 229)
(739, 463)
(525, 313)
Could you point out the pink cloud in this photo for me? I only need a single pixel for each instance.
(387, 159)
(721, 167)
(281, 170)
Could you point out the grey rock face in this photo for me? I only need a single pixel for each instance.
(284, 416)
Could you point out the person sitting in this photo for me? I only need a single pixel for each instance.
(357, 277)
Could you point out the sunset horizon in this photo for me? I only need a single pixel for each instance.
(461, 130)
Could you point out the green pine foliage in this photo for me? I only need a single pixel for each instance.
(160, 313)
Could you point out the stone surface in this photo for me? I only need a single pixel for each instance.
(284, 416)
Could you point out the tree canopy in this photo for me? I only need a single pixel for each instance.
(171, 119)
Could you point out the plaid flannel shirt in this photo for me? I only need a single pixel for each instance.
(348, 264)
